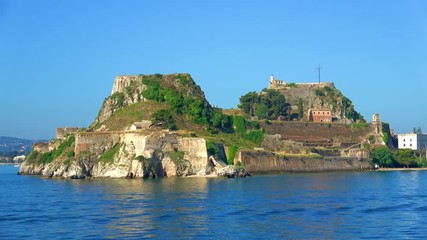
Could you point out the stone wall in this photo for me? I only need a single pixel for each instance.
(317, 134)
(278, 85)
(267, 162)
(61, 133)
(41, 147)
(85, 141)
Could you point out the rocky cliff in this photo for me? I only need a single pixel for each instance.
(128, 90)
(126, 154)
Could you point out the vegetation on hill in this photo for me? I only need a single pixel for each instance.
(334, 98)
(177, 97)
(269, 104)
(64, 150)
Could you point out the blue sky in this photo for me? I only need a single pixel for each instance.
(58, 59)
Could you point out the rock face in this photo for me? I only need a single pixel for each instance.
(133, 155)
(128, 90)
(124, 152)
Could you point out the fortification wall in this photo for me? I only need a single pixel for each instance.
(267, 162)
(85, 141)
(61, 133)
(312, 85)
(323, 133)
(41, 147)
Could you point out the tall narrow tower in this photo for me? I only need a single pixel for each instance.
(376, 123)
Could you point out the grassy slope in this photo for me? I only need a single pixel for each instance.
(124, 117)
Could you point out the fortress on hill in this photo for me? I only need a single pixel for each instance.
(280, 84)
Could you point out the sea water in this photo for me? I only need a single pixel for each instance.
(335, 205)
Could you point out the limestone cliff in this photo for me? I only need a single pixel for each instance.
(125, 154)
(128, 90)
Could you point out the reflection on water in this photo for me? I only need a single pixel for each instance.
(319, 205)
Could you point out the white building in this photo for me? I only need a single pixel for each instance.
(145, 124)
(414, 141)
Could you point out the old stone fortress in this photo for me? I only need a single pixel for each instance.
(313, 115)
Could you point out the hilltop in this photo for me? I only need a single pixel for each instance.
(300, 101)
(162, 125)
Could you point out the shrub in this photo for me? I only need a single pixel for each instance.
(46, 158)
(164, 118)
(108, 156)
(50, 156)
(212, 148)
(318, 92)
(255, 136)
(70, 154)
(292, 85)
(33, 155)
(119, 99)
(329, 90)
(232, 151)
(177, 156)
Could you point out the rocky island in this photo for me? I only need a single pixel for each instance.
(162, 125)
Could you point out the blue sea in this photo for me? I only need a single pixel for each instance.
(348, 205)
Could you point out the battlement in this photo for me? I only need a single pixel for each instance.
(61, 133)
(280, 84)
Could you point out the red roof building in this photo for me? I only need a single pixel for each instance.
(316, 115)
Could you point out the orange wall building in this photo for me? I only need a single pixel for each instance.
(316, 115)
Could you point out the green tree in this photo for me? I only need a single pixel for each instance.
(383, 157)
(152, 91)
(261, 111)
(164, 118)
(300, 108)
(318, 92)
(247, 103)
(269, 104)
(279, 105)
(175, 100)
(406, 157)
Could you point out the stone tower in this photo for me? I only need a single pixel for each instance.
(376, 123)
(271, 79)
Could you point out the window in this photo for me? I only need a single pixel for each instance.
(404, 145)
(410, 145)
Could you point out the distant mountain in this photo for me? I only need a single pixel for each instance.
(15, 146)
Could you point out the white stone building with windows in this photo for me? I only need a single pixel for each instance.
(414, 141)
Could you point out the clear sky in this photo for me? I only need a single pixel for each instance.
(58, 59)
